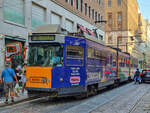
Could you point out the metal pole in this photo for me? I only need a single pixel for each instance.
(129, 66)
(117, 69)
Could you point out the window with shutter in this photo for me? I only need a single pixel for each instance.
(14, 11)
(38, 15)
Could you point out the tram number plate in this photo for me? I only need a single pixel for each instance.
(36, 80)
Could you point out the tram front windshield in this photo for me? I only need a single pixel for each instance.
(45, 55)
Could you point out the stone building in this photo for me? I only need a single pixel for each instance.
(122, 21)
(19, 17)
(123, 24)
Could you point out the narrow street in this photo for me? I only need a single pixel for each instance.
(129, 98)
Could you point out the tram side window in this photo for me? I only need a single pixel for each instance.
(74, 55)
(91, 53)
(114, 60)
(111, 59)
(75, 51)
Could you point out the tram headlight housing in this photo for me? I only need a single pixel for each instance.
(43, 80)
(61, 79)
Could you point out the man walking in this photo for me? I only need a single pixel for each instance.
(7, 77)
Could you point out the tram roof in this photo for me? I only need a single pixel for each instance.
(48, 29)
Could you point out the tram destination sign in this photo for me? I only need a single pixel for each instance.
(43, 38)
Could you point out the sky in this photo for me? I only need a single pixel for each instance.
(144, 6)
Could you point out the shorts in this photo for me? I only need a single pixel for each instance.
(8, 86)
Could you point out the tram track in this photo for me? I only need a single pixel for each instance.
(67, 99)
(71, 104)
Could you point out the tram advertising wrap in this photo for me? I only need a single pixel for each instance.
(69, 65)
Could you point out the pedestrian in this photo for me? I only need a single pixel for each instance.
(137, 77)
(23, 77)
(7, 77)
(16, 90)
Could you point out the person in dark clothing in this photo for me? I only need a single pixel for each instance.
(18, 78)
(137, 77)
(17, 73)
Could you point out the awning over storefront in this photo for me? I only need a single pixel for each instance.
(15, 38)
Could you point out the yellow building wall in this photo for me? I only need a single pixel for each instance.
(129, 9)
(142, 28)
(114, 9)
(132, 15)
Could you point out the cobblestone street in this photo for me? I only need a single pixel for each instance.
(133, 101)
(129, 98)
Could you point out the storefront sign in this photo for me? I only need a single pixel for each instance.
(13, 49)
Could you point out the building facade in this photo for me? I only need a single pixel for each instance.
(147, 44)
(122, 17)
(20, 17)
(123, 24)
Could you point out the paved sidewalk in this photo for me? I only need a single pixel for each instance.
(16, 99)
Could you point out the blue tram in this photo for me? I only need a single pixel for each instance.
(61, 65)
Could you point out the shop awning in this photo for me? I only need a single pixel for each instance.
(15, 38)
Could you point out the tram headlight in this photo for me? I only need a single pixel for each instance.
(61, 79)
(43, 80)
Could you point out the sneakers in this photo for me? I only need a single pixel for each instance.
(6, 102)
(12, 99)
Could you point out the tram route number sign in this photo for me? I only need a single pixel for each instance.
(43, 38)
